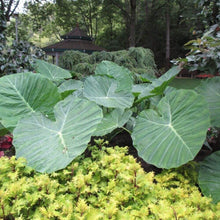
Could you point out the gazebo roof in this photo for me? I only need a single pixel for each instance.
(74, 40)
(76, 33)
(71, 44)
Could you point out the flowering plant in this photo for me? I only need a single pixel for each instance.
(5, 144)
(212, 134)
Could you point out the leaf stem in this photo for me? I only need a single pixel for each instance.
(126, 130)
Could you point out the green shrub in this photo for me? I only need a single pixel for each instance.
(84, 69)
(136, 59)
(204, 52)
(71, 58)
(18, 57)
(109, 184)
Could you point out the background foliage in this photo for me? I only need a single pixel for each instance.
(111, 24)
(136, 59)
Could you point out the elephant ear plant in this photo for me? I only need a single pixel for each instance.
(209, 173)
(52, 123)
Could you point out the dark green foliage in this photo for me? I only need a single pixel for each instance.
(84, 69)
(138, 60)
(107, 185)
(71, 58)
(18, 57)
(204, 52)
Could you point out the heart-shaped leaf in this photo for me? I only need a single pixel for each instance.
(115, 119)
(50, 71)
(71, 84)
(210, 90)
(3, 130)
(120, 73)
(49, 146)
(102, 90)
(159, 85)
(209, 176)
(172, 135)
(139, 88)
(23, 93)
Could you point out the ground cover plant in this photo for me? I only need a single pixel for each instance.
(103, 183)
(53, 119)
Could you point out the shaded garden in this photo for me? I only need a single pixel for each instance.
(109, 135)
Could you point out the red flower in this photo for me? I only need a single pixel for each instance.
(5, 142)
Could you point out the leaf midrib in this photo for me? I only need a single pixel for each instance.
(48, 70)
(175, 132)
(20, 95)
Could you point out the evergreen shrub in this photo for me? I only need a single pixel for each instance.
(137, 59)
(104, 183)
(18, 57)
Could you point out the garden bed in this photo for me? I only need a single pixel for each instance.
(109, 184)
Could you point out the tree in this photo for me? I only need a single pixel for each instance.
(128, 11)
(37, 24)
(86, 13)
(167, 57)
(8, 8)
(163, 26)
(210, 11)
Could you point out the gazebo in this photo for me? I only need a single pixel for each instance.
(74, 40)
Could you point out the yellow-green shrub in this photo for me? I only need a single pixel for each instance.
(106, 185)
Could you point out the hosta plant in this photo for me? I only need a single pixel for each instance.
(53, 119)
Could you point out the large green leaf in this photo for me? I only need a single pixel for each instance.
(69, 86)
(159, 85)
(23, 93)
(144, 77)
(210, 89)
(3, 130)
(120, 73)
(139, 88)
(49, 146)
(209, 176)
(115, 119)
(50, 71)
(172, 135)
(102, 90)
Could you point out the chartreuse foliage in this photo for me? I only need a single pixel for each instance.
(107, 185)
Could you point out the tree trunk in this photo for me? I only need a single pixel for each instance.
(167, 58)
(215, 12)
(132, 42)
